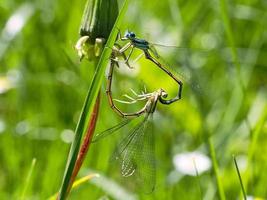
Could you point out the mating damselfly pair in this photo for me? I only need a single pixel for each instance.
(135, 152)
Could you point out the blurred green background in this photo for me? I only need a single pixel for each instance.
(43, 86)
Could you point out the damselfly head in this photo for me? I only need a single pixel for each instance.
(162, 93)
(129, 34)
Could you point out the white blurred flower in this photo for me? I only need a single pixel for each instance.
(188, 162)
(5, 84)
(9, 80)
(17, 21)
(254, 198)
(22, 127)
(2, 126)
(14, 25)
(242, 162)
(67, 135)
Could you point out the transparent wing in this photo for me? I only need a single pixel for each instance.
(129, 149)
(135, 154)
(147, 164)
(111, 130)
(187, 49)
(184, 65)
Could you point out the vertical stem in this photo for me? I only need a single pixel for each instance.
(28, 179)
(89, 104)
(240, 179)
(86, 142)
(215, 169)
(230, 36)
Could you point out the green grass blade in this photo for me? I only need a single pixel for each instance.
(89, 103)
(240, 179)
(26, 185)
(255, 134)
(216, 170)
(253, 145)
(231, 40)
(198, 180)
(77, 183)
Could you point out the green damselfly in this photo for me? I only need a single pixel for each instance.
(149, 50)
(135, 152)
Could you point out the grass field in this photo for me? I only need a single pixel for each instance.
(222, 112)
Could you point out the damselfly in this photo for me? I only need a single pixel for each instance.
(149, 50)
(135, 152)
(113, 61)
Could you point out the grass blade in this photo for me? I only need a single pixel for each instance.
(240, 179)
(215, 169)
(230, 36)
(198, 180)
(78, 183)
(28, 179)
(253, 145)
(86, 142)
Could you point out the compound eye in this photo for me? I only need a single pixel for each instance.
(163, 93)
(127, 34)
(132, 34)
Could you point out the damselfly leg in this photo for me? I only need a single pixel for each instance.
(113, 62)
